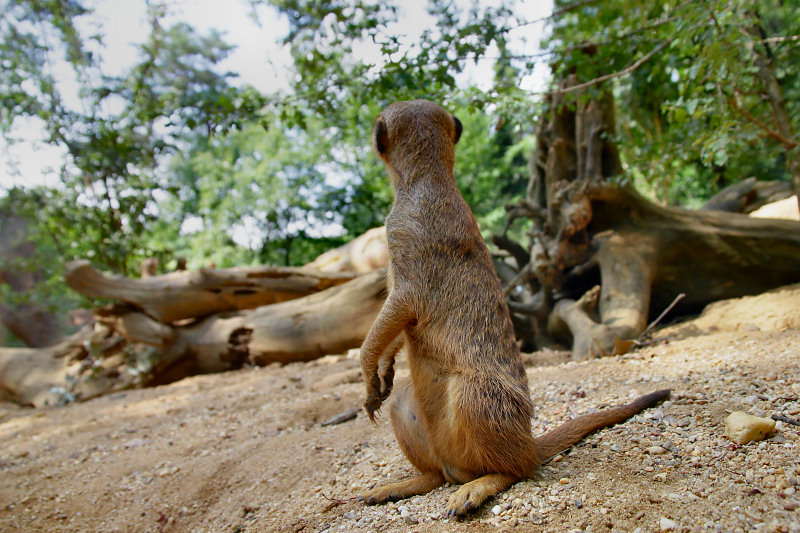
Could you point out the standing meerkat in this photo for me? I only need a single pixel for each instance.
(464, 414)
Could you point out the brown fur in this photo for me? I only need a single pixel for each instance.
(464, 415)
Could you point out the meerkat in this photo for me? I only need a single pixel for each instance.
(464, 414)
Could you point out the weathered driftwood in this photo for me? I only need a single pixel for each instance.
(28, 376)
(127, 347)
(191, 294)
(649, 254)
(748, 195)
(367, 252)
(602, 258)
(786, 208)
(50, 376)
(329, 322)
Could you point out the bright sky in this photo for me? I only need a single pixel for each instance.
(259, 59)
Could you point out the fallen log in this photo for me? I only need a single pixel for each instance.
(190, 294)
(367, 252)
(646, 260)
(32, 376)
(92, 362)
(307, 328)
(128, 348)
(748, 195)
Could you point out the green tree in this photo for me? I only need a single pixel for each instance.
(165, 102)
(706, 91)
(336, 84)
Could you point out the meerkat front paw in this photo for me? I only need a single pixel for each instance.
(373, 406)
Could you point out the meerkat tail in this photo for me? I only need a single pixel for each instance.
(572, 431)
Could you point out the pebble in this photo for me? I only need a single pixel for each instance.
(742, 428)
(669, 445)
(665, 524)
(655, 450)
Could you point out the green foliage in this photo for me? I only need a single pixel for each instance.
(173, 98)
(29, 248)
(265, 186)
(696, 115)
(339, 85)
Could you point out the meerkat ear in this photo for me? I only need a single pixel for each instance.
(380, 136)
(459, 128)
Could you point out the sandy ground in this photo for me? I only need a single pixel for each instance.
(248, 451)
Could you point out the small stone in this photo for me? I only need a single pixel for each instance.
(655, 450)
(496, 510)
(665, 524)
(742, 428)
(790, 505)
(564, 481)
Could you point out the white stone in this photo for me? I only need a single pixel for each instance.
(665, 524)
(742, 428)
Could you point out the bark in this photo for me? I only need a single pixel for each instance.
(31, 324)
(365, 253)
(748, 195)
(58, 374)
(307, 328)
(181, 295)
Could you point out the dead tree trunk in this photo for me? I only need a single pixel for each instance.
(128, 347)
(602, 257)
(328, 322)
(191, 294)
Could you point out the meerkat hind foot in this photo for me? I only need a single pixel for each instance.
(397, 491)
(471, 495)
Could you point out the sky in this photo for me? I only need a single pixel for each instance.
(259, 59)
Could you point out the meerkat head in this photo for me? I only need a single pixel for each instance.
(417, 131)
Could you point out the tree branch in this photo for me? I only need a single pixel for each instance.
(768, 132)
(627, 70)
